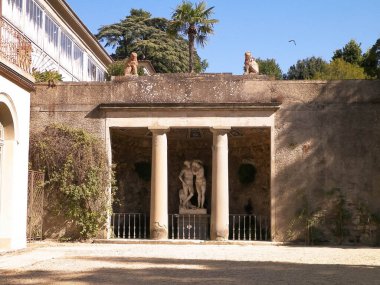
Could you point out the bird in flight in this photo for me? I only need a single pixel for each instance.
(293, 42)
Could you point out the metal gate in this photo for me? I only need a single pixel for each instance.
(35, 205)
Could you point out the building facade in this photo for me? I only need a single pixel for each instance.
(34, 35)
(60, 41)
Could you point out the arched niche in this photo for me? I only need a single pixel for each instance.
(8, 117)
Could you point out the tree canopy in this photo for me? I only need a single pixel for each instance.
(306, 68)
(371, 61)
(193, 21)
(351, 53)
(147, 36)
(346, 63)
(339, 69)
(269, 67)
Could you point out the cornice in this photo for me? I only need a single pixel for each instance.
(189, 106)
(16, 78)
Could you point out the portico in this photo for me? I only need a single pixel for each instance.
(160, 119)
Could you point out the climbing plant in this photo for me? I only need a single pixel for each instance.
(306, 224)
(77, 177)
(327, 219)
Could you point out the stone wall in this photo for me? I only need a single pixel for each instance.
(327, 140)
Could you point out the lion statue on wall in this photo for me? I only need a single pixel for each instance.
(250, 64)
(131, 65)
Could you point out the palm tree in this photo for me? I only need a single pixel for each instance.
(194, 22)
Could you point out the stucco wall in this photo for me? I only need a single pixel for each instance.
(14, 115)
(326, 143)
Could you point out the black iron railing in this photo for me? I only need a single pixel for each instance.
(248, 227)
(189, 226)
(130, 225)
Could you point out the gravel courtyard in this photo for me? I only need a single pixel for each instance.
(76, 263)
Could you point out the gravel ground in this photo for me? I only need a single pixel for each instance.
(78, 263)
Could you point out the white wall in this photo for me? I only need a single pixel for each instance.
(13, 193)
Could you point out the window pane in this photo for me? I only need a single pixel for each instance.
(12, 10)
(33, 22)
(51, 37)
(78, 62)
(66, 51)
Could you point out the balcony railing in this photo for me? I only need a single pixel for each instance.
(14, 47)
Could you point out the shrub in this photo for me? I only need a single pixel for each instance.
(48, 76)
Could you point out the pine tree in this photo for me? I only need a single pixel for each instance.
(147, 36)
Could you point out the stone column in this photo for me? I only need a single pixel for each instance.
(159, 184)
(219, 203)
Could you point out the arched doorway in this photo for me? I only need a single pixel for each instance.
(7, 174)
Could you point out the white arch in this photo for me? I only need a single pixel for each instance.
(7, 100)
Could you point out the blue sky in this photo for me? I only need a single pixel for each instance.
(263, 27)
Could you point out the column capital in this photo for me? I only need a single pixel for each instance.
(220, 130)
(159, 129)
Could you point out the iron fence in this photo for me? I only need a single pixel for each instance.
(35, 205)
(130, 225)
(248, 227)
(189, 226)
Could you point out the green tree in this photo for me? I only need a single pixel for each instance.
(193, 21)
(269, 67)
(351, 53)
(306, 68)
(339, 69)
(147, 36)
(371, 61)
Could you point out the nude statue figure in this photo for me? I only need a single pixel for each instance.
(186, 177)
(200, 181)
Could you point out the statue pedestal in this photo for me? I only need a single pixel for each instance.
(195, 211)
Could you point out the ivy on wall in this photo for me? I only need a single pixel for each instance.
(76, 177)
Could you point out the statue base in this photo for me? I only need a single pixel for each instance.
(195, 211)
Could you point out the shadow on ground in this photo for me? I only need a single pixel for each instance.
(123, 270)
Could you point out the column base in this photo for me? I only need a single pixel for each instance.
(221, 235)
(158, 232)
